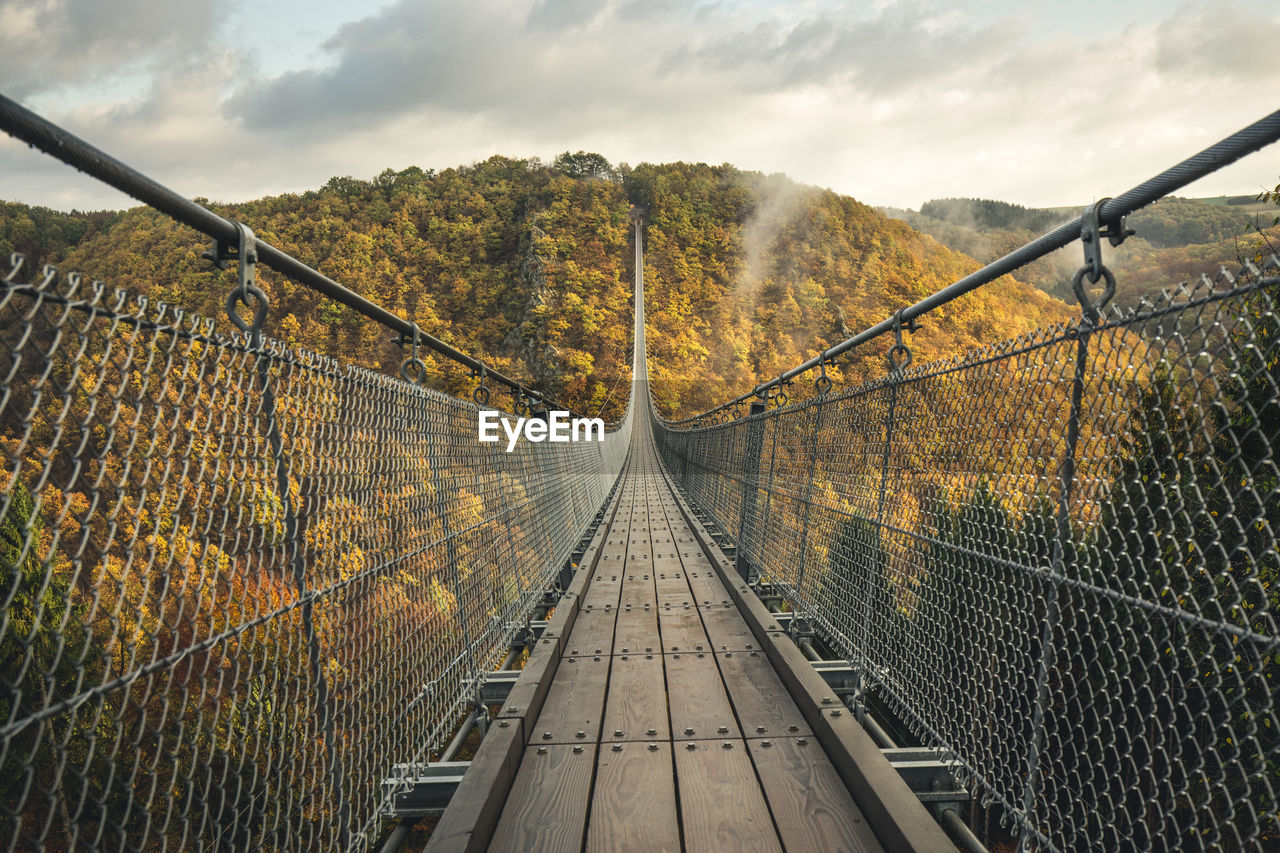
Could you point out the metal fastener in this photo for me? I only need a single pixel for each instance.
(546, 735)
(502, 724)
(688, 731)
(691, 746)
(760, 729)
(766, 743)
(802, 741)
(653, 747)
(651, 731)
(617, 732)
(581, 734)
(722, 729)
(577, 747)
(617, 747)
(726, 745)
(542, 750)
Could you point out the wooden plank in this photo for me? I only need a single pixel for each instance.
(633, 805)
(672, 585)
(636, 630)
(697, 699)
(706, 586)
(636, 704)
(547, 806)
(726, 629)
(638, 589)
(721, 804)
(899, 819)
(810, 804)
(592, 632)
(682, 630)
(478, 801)
(575, 702)
(761, 701)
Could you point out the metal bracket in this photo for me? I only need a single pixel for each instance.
(481, 393)
(414, 369)
(900, 354)
(1092, 230)
(822, 385)
(246, 256)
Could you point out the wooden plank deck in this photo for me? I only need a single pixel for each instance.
(686, 738)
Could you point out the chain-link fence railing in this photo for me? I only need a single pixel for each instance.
(242, 582)
(1055, 558)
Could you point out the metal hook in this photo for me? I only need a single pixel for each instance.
(822, 385)
(900, 350)
(481, 393)
(1092, 230)
(246, 289)
(414, 364)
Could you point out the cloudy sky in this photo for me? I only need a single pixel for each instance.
(1042, 102)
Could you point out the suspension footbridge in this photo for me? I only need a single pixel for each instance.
(256, 598)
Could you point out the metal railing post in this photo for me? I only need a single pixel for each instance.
(1091, 236)
(750, 486)
(248, 293)
(808, 495)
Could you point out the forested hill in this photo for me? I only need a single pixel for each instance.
(1176, 239)
(528, 265)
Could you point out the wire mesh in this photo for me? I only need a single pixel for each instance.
(240, 585)
(1054, 558)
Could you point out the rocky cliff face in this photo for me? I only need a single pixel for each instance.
(528, 339)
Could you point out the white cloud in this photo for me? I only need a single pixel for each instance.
(894, 104)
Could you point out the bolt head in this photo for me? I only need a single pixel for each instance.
(651, 731)
(760, 729)
(577, 747)
(502, 724)
(617, 732)
(726, 745)
(653, 747)
(546, 735)
(581, 734)
(766, 743)
(691, 746)
(617, 747)
(722, 729)
(688, 731)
